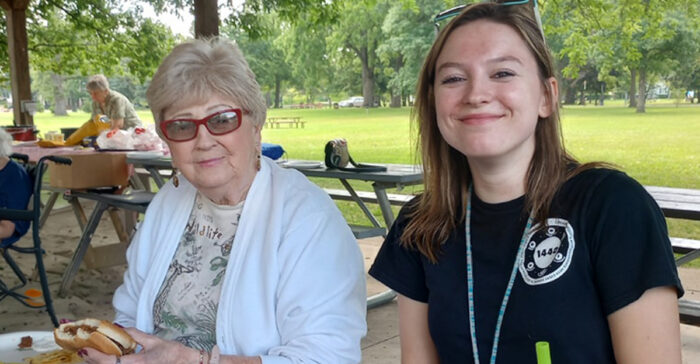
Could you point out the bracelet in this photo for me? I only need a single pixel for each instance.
(214, 359)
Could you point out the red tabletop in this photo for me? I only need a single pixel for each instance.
(35, 152)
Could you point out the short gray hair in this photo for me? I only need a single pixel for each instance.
(5, 143)
(199, 68)
(97, 83)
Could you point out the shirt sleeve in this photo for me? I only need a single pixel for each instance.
(399, 267)
(630, 249)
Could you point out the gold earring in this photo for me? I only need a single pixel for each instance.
(257, 162)
(176, 181)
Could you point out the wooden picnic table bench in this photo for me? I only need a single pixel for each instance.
(366, 196)
(292, 121)
(681, 203)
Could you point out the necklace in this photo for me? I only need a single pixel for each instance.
(470, 285)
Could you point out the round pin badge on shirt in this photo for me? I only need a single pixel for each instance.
(548, 253)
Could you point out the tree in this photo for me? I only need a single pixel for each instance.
(685, 68)
(358, 33)
(265, 58)
(70, 39)
(306, 51)
(409, 34)
(246, 17)
(616, 35)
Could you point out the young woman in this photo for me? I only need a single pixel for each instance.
(513, 241)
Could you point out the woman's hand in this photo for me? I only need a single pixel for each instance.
(155, 350)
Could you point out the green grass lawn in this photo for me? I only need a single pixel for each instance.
(660, 147)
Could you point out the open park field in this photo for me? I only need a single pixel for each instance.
(660, 147)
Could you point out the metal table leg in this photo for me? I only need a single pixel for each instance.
(48, 207)
(687, 257)
(360, 203)
(81, 249)
(380, 299)
(156, 176)
(385, 206)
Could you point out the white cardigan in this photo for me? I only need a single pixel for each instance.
(294, 290)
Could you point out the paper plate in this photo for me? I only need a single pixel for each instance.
(42, 342)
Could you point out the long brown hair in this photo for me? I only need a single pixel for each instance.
(442, 205)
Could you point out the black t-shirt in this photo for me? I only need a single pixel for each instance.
(605, 244)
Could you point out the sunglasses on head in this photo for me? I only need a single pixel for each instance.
(449, 13)
(219, 123)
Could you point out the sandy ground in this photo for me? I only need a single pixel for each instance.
(91, 292)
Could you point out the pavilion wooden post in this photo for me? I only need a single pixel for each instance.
(15, 12)
(206, 18)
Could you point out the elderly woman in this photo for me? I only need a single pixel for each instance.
(15, 190)
(237, 260)
(108, 102)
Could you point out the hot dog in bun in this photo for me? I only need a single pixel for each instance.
(93, 333)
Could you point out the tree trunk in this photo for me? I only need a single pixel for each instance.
(278, 90)
(571, 88)
(582, 97)
(59, 96)
(641, 103)
(395, 100)
(206, 18)
(570, 95)
(16, 28)
(367, 83)
(602, 94)
(367, 73)
(396, 90)
(633, 88)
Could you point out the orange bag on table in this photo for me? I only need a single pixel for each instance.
(91, 128)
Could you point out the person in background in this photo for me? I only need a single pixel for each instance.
(513, 241)
(115, 106)
(237, 260)
(15, 191)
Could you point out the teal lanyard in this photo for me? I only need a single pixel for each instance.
(470, 285)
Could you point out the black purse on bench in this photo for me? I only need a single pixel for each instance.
(337, 156)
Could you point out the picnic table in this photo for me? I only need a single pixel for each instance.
(292, 121)
(677, 203)
(396, 175)
(106, 255)
(681, 203)
(34, 152)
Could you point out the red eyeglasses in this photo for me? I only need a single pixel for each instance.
(219, 123)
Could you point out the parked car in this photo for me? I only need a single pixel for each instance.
(355, 101)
